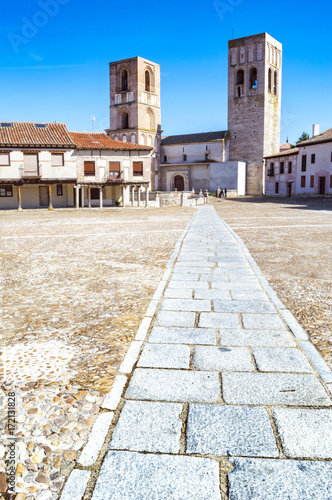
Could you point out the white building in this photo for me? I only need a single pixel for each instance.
(45, 165)
(200, 161)
(302, 171)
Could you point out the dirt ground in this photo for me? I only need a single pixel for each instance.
(291, 241)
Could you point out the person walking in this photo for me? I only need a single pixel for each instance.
(225, 192)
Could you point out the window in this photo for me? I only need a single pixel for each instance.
(240, 77)
(59, 191)
(304, 163)
(58, 159)
(312, 181)
(40, 125)
(330, 181)
(275, 86)
(282, 167)
(269, 84)
(124, 80)
(114, 167)
(289, 167)
(331, 156)
(147, 81)
(313, 158)
(6, 191)
(30, 163)
(277, 188)
(253, 78)
(137, 168)
(165, 159)
(207, 156)
(6, 124)
(302, 181)
(89, 168)
(184, 157)
(270, 171)
(4, 159)
(125, 120)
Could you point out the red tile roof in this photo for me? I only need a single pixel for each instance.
(323, 137)
(31, 134)
(289, 152)
(96, 140)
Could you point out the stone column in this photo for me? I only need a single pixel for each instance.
(138, 195)
(50, 206)
(100, 197)
(147, 196)
(123, 195)
(132, 196)
(89, 196)
(19, 200)
(77, 197)
(182, 199)
(82, 196)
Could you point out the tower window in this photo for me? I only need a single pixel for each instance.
(125, 120)
(275, 86)
(253, 78)
(124, 80)
(147, 81)
(239, 82)
(269, 87)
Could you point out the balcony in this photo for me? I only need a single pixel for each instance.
(30, 172)
(113, 177)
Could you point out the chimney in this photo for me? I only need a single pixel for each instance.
(315, 130)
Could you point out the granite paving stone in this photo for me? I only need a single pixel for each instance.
(185, 276)
(219, 320)
(214, 277)
(238, 278)
(237, 286)
(213, 294)
(255, 338)
(164, 356)
(174, 385)
(197, 285)
(281, 360)
(177, 293)
(230, 430)
(75, 486)
(268, 479)
(172, 318)
(243, 306)
(263, 321)
(134, 476)
(171, 335)
(185, 305)
(222, 359)
(305, 433)
(273, 389)
(249, 295)
(148, 426)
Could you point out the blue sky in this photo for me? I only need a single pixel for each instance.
(54, 58)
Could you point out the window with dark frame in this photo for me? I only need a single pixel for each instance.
(282, 167)
(312, 181)
(313, 158)
(4, 159)
(184, 157)
(124, 80)
(277, 188)
(137, 168)
(302, 181)
(58, 160)
(304, 163)
(147, 81)
(6, 191)
(114, 170)
(289, 167)
(59, 191)
(89, 168)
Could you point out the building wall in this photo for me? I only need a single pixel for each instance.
(254, 113)
(197, 151)
(281, 179)
(102, 159)
(321, 168)
(30, 197)
(47, 171)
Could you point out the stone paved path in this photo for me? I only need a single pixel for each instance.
(228, 398)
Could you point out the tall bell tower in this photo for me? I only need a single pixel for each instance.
(254, 103)
(135, 114)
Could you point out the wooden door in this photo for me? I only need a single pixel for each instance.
(179, 183)
(43, 196)
(321, 185)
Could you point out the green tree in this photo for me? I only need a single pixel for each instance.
(303, 137)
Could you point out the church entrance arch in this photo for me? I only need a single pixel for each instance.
(179, 183)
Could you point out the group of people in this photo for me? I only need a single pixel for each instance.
(221, 193)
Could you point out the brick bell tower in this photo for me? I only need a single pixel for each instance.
(254, 103)
(135, 114)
